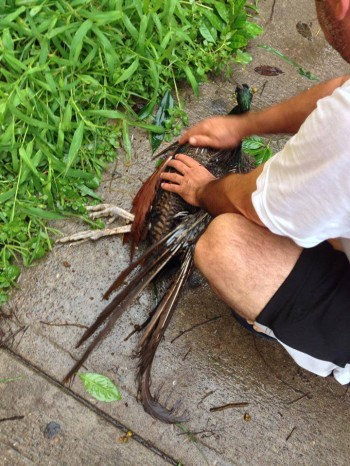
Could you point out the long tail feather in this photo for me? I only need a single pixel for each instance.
(131, 291)
(115, 309)
(150, 341)
(124, 274)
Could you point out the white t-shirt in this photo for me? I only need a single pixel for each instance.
(304, 190)
(304, 193)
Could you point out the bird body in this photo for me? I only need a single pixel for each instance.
(172, 228)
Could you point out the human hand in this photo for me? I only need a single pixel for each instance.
(189, 179)
(221, 132)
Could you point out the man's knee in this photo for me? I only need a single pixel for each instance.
(224, 230)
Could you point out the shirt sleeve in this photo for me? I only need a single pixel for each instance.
(304, 190)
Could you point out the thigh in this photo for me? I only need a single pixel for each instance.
(244, 263)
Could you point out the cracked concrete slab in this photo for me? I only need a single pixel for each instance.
(292, 416)
(31, 403)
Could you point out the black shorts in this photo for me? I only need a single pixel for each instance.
(310, 313)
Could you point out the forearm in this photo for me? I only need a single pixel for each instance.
(224, 132)
(231, 194)
(288, 116)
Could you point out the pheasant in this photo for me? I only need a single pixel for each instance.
(172, 228)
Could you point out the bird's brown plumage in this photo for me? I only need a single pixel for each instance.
(172, 227)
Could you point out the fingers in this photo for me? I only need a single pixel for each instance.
(171, 177)
(203, 141)
(185, 160)
(197, 140)
(202, 135)
(171, 187)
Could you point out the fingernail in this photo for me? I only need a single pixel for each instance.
(192, 141)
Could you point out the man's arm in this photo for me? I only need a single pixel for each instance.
(231, 194)
(286, 117)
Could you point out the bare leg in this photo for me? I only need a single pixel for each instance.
(244, 263)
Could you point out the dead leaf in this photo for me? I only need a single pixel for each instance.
(266, 70)
(304, 30)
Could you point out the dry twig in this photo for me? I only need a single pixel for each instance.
(195, 326)
(229, 406)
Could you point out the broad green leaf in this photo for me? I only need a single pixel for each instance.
(129, 71)
(258, 148)
(152, 128)
(12, 61)
(41, 213)
(243, 57)
(222, 9)
(7, 195)
(7, 40)
(78, 40)
(154, 74)
(67, 117)
(12, 16)
(158, 24)
(169, 8)
(166, 39)
(34, 11)
(253, 29)
(238, 41)
(206, 33)
(89, 192)
(192, 80)
(25, 155)
(75, 146)
(130, 27)
(126, 141)
(100, 387)
(142, 33)
(105, 17)
(13, 272)
(147, 110)
(214, 20)
(162, 115)
(61, 29)
(252, 143)
(29, 120)
(112, 114)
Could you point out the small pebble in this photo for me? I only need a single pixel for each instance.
(52, 430)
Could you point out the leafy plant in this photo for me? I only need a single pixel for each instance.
(100, 387)
(72, 77)
(258, 148)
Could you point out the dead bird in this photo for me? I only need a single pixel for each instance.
(172, 227)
